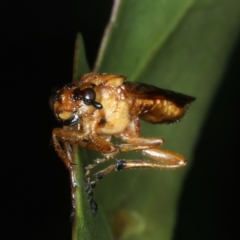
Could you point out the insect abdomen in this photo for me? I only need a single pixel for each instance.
(161, 111)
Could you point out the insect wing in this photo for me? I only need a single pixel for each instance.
(145, 91)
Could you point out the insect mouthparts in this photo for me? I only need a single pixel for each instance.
(71, 121)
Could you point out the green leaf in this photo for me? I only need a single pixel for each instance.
(85, 226)
(177, 45)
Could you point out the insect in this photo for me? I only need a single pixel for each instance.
(100, 106)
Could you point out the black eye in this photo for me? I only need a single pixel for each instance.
(89, 96)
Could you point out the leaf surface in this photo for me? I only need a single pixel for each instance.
(177, 45)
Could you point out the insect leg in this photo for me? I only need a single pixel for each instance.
(74, 138)
(63, 140)
(131, 135)
(95, 163)
(62, 153)
(135, 144)
(92, 142)
(146, 142)
(162, 159)
(92, 184)
(65, 152)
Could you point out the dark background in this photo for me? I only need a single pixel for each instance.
(36, 49)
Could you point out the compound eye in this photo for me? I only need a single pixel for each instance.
(89, 96)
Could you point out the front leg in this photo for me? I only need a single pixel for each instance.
(74, 138)
(65, 152)
(62, 142)
(64, 139)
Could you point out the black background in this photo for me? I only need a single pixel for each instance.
(36, 49)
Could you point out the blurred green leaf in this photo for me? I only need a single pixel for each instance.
(80, 65)
(177, 45)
